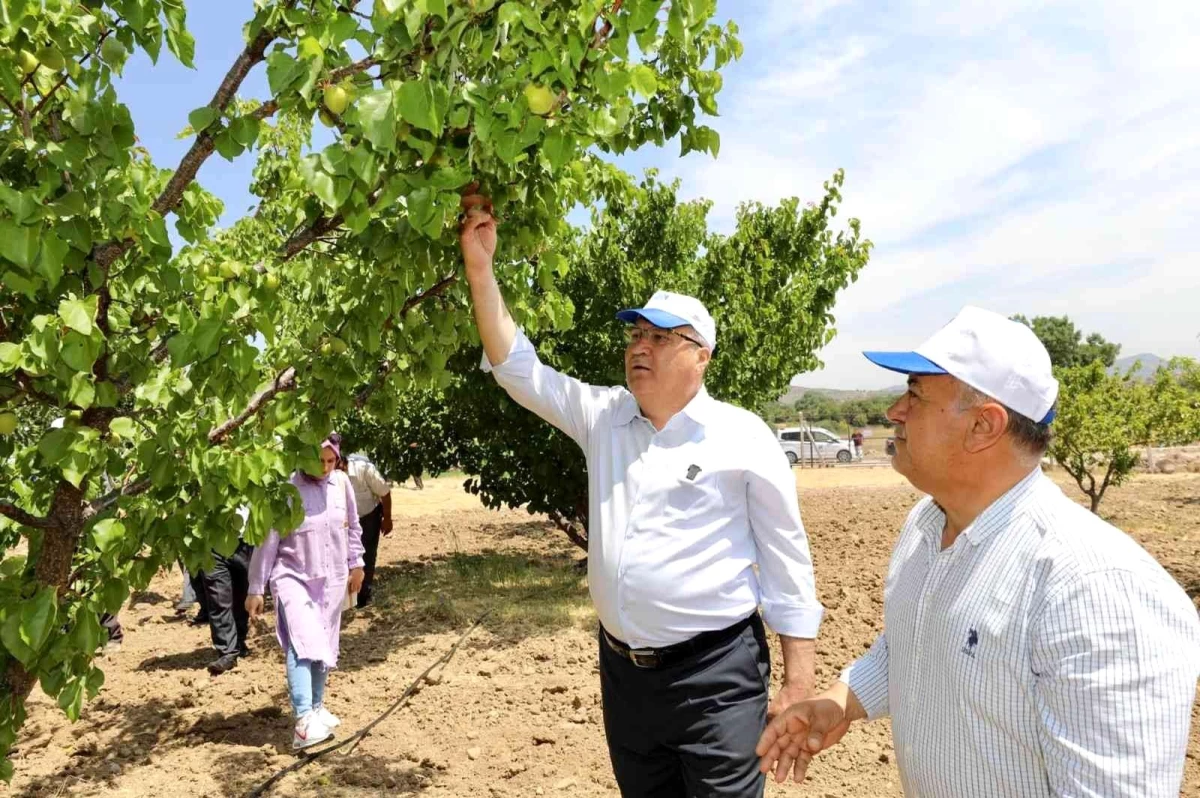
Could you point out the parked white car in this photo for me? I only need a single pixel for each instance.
(798, 445)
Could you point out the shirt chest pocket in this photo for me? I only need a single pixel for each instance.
(693, 495)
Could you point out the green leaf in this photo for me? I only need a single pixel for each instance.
(19, 243)
(82, 391)
(78, 351)
(244, 130)
(88, 634)
(645, 80)
(56, 444)
(318, 182)
(10, 357)
(77, 315)
(375, 114)
(122, 427)
(202, 117)
(207, 336)
(50, 260)
(37, 617)
(10, 635)
(108, 534)
(642, 13)
(282, 71)
(183, 45)
(423, 104)
(70, 700)
(558, 148)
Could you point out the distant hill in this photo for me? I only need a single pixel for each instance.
(794, 392)
(1150, 364)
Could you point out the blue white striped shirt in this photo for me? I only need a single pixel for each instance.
(1043, 653)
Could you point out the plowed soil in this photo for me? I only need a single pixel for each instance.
(517, 711)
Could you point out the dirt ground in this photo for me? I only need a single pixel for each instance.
(516, 712)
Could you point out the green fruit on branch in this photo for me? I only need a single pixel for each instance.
(326, 118)
(112, 51)
(337, 99)
(27, 61)
(229, 270)
(338, 345)
(541, 100)
(51, 58)
(8, 424)
(326, 349)
(271, 282)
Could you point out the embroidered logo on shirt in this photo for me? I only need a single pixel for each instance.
(693, 470)
(972, 641)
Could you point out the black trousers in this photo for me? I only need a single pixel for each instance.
(370, 524)
(225, 589)
(688, 730)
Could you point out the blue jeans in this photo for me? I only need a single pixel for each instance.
(306, 683)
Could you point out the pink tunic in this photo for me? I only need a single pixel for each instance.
(308, 569)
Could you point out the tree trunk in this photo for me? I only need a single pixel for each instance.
(53, 568)
(1096, 497)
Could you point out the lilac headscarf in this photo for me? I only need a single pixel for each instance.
(333, 442)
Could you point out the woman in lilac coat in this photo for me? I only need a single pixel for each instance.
(309, 572)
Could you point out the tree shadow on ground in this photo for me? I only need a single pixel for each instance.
(179, 661)
(529, 595)
(133, 731)
(358, 772)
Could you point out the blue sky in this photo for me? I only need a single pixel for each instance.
(1026, 156)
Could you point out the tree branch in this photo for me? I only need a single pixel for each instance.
(109, 499)
(285, 381)
(302, 239)
(24, 518)
(204, 144)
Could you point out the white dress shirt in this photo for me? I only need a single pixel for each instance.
(1044, 653)
(369, 485)
(679, 517)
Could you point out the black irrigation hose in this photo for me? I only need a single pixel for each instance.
(357, 737)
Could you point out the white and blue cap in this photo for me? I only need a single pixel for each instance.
(667, 309)
(993, 354)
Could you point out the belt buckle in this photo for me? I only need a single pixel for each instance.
(643, 657)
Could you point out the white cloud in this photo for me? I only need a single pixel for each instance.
(1036, 157)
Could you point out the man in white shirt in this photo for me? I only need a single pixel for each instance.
(693, 523)
(1029, 648)
(373, 495)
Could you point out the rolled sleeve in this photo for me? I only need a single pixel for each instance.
(785, 570)
(867, 678)
(565, 402)
(1116, 658)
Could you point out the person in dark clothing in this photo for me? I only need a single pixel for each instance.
(226, 586)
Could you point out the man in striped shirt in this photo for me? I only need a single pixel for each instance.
(1029, 648)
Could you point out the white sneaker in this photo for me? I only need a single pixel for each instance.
(330, 720)
(309, 731)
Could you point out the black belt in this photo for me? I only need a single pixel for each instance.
(654, 658)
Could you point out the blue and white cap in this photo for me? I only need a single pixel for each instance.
(667, 310)
(993, 354)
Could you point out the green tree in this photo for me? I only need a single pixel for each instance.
(1103, 419)
(1066, 344)
(770, 286)
(171, 416)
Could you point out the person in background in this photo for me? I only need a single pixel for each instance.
(857, 439)
(193, 594)
(373, 496)
(309, 572)
(1029, 648)
(226, 586)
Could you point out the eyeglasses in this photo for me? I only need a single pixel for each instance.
(658, 336)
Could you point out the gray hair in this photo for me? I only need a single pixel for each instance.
(1032, 436)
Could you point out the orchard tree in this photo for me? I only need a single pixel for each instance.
(1066, 344)
(770, 285)
(1103, 419)
(193, 378)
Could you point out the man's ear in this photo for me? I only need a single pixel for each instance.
(989, 426)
